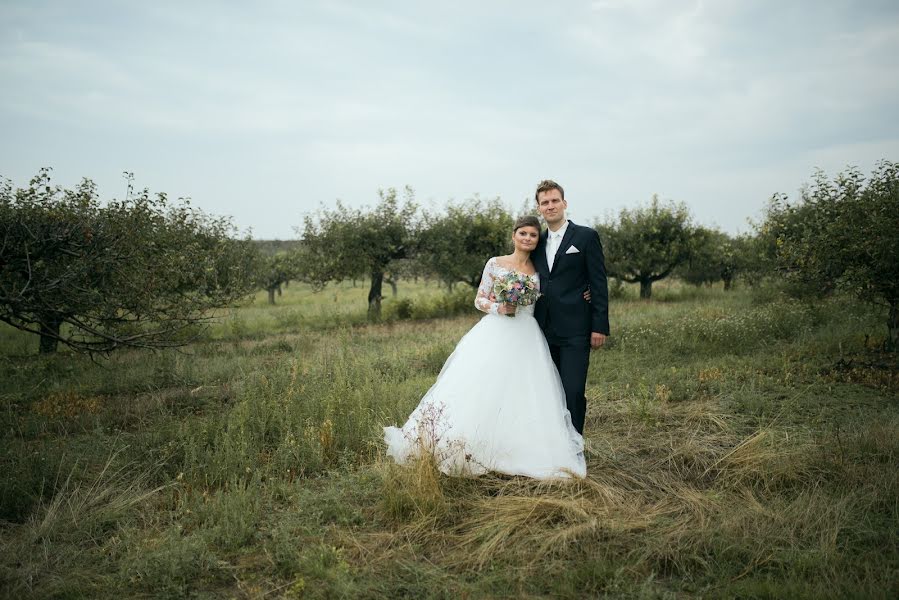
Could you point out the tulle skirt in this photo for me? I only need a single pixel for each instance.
(497, 405)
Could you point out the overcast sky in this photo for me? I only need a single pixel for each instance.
(263, 111)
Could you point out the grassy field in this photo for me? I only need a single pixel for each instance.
(739, 445)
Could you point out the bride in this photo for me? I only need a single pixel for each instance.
(498, 403)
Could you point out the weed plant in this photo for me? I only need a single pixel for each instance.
(739, 444)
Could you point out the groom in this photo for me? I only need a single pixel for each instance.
(569, 260)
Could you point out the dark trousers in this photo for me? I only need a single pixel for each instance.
(572, 358)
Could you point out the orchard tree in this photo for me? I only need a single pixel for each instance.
(716, 256)
(647, 243)
(345, 243)
(404, 268)
(455, 244)
(785, 221)
(844, 234)
(736, 256)
(138, 272)
(276, 270)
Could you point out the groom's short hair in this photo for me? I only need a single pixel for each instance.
(545, 186)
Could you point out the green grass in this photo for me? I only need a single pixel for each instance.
(739, 445)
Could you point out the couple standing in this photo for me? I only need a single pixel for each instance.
(510, 398)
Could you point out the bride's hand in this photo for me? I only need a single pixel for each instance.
(507, 308)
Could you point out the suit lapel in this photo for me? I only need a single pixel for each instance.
(566, 241)
(540, 250)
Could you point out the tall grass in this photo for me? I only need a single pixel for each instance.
(736, 446)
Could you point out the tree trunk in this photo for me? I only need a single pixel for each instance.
(271, 294)
(893, 325)
(49, 335)
(728, 282)
(278, 287)
(374, 296)
(392, 285)
(646, 288)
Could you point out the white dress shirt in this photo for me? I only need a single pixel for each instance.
(553, 240)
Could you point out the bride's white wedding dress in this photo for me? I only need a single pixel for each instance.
(498, 403)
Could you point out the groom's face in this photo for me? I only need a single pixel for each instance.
(552, 207)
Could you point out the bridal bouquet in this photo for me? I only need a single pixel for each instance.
(516, 288)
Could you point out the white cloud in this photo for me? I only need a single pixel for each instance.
(718, 104)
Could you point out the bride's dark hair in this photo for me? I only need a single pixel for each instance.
(526, 221)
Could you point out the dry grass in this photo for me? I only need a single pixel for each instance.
(74, 521)
(694, 493)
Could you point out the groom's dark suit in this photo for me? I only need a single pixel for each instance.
(565, 317)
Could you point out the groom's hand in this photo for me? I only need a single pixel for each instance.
(597, 339)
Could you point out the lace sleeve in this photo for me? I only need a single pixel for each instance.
(485, 301)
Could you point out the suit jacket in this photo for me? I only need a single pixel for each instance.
(562, 301)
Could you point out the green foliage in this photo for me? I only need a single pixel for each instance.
(843, 234)
(278, 262)
(136, 272)
(455, 244)
(647, 243)
(716, 256)
(273, 271)
(345, 243)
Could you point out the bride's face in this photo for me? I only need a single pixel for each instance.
(525, 238)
